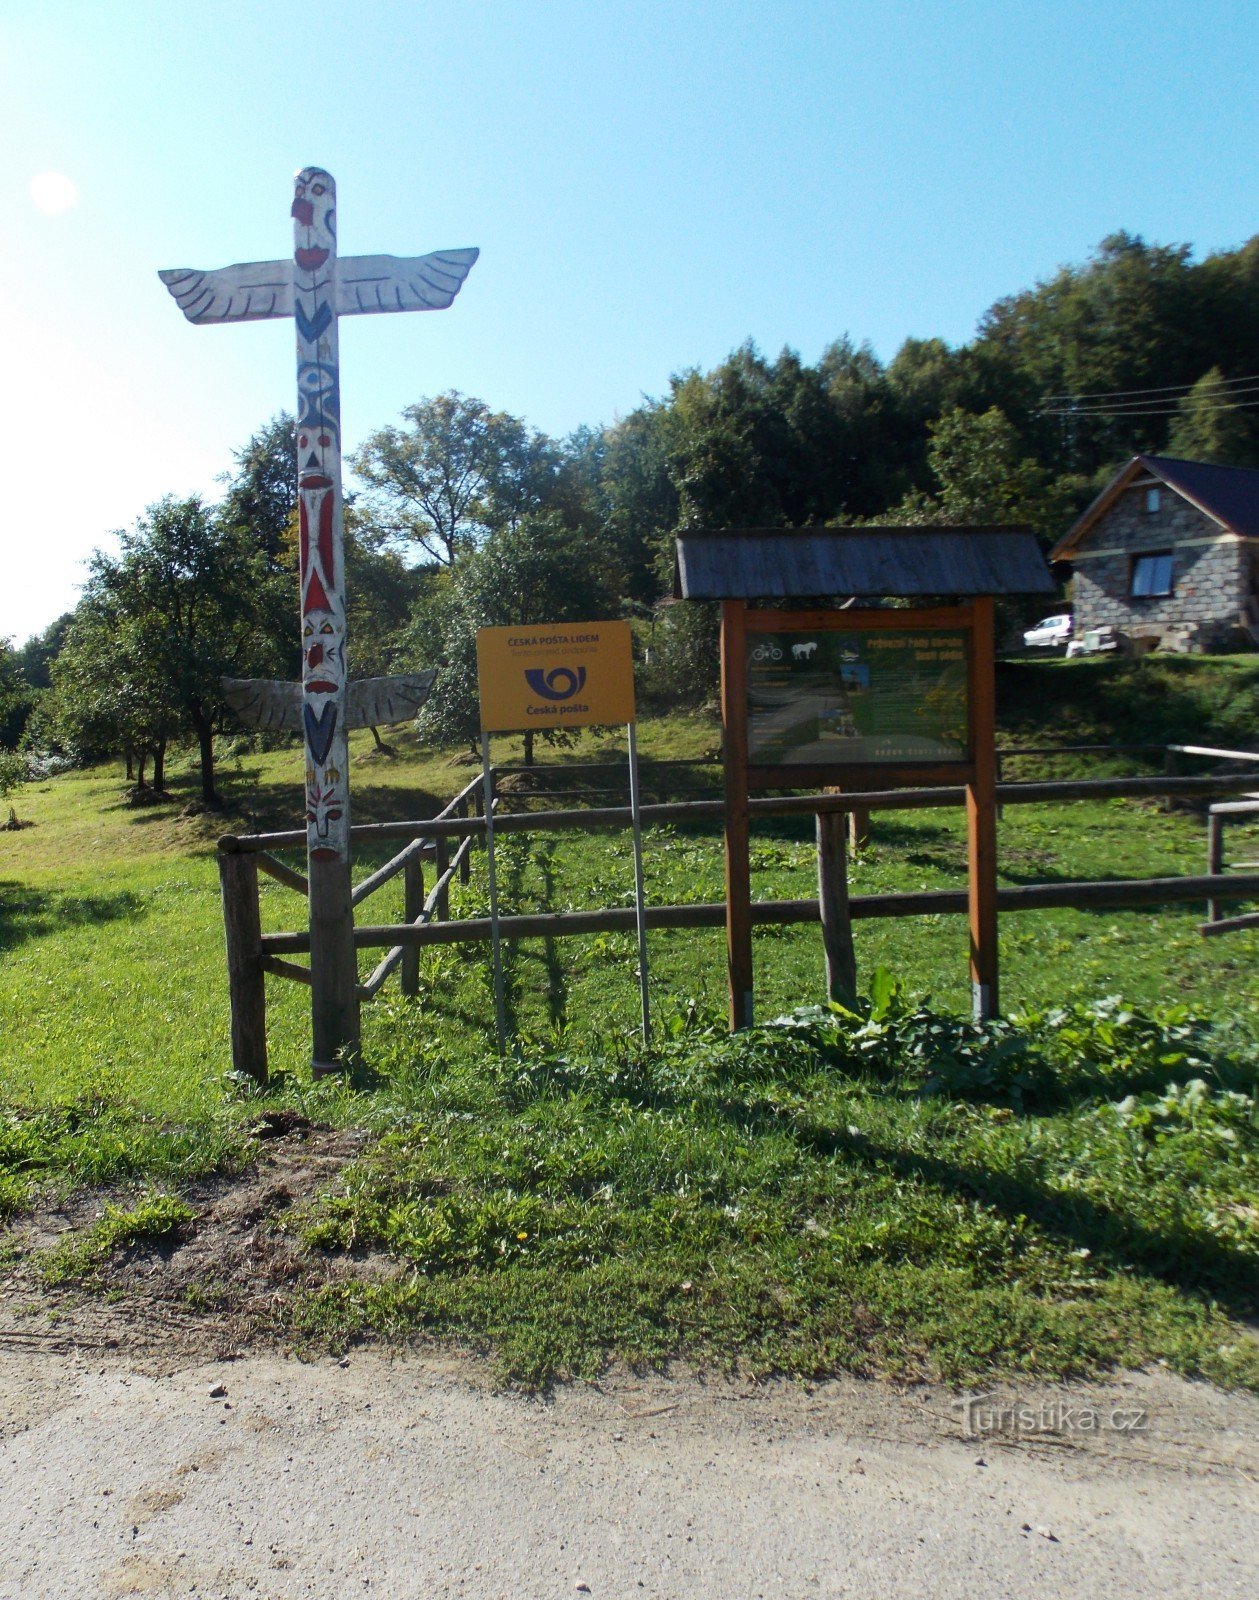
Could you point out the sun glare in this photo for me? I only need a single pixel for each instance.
(53, 193)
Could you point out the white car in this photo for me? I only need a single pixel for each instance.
(1050, 631)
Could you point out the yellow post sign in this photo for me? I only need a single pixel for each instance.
(557, 675)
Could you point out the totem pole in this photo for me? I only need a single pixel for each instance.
(314, 288)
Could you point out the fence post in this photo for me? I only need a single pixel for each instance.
(734, 747)
(1215, 857)
(413, 905)
(441, 908)
(465, 870)
(1171, 765)
(981, 815)
(859, 827)
(242, 926)
(832, 896)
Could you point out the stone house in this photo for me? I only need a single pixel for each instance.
(1169, 553)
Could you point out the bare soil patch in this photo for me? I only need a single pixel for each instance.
(215, 1288)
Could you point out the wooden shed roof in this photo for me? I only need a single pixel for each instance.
(809, 563)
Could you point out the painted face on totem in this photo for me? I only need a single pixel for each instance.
(323, 654)
(314, 209)
(323, 809)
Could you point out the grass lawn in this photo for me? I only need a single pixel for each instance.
(891, 1192)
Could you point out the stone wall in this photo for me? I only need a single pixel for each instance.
(1209, 580)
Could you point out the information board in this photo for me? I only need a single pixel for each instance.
(840, 698)
(559, 675)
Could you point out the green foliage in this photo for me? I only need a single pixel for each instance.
(188, 599)
(756, 444)
(93, 1142)
(984, 472)
(536, 570)
(1210, 426)
(17, 698)
(1157, 700)
(833, 1190)
(684, 655)
(157, 1219)
(261, 498)
(381, 592)
(626, 477)
(13, 772)
(459, 472)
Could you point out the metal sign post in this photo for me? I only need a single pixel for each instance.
(640, 908)
(558, 675)
(487, 789)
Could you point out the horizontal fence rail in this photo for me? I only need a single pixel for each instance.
(1083, 895)
(1209, 750)
(1010, 794)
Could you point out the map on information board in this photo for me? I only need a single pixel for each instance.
(840, 698)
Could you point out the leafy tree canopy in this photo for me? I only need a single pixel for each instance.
(457, 473)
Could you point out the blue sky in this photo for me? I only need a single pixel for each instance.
(650, 184)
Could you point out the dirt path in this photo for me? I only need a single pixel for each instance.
(408, 1477)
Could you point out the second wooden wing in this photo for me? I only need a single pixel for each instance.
(377, 702)
(401, 283)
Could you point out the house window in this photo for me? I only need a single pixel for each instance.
(1152, 574)
(1152, 502)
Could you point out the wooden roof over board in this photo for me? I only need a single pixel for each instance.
(812, 563)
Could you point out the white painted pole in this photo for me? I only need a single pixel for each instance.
(640, 909)
(487, 789)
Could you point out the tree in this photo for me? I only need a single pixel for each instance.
(34, 659)
(13, 773)
(261, 498)
(105, 695)
(984, 473)
(457, 473)
(757, 443)
(1210, 427)
(624, 490)
(381, 592)
(537, 571)
(17, 697)
(185, 602)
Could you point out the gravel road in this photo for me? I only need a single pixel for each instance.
(410, 1477)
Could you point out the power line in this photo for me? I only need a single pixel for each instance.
(1164, 389)
(1134, 416)
(1211, 396)
(1155, 408)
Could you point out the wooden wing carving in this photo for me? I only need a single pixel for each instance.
(369, 703)
(401, 283)
(376, 702)
(243, 293)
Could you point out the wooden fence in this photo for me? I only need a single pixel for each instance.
(448, 838)
(1217, 816)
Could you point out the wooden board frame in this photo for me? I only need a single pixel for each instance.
(978, 774)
